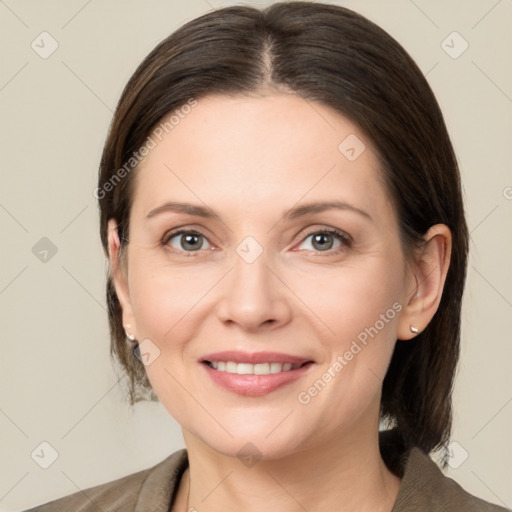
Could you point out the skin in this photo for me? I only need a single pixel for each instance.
(250, 158)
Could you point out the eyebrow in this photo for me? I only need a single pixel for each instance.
(293, 213)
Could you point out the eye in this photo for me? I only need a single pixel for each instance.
(323, 240)
(186, 240)
(191, 241)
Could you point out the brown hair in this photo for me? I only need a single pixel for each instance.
(335, 56)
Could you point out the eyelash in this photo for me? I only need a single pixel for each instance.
(342, 237)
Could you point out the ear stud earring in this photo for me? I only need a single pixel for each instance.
(131, 337)
(414, 329)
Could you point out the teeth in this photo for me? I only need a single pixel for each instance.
(253, 369)
(245, 369)
(275, 367)
(261, 369)
(231, 367)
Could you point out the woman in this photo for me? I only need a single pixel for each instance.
(281, 209)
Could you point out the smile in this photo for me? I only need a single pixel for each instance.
(252, 369)
(254, 374)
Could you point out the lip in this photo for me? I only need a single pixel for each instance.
(255, 385)
(254, 357)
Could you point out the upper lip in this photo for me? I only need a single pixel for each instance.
(254, 357)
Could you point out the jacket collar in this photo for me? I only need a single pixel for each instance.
(161, 485)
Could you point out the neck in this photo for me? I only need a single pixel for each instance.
(346, 474)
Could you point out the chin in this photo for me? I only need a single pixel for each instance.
(249, 449)
(267, 440)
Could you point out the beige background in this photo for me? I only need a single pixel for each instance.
(57, 382)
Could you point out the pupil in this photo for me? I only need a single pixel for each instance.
(188, 238)
(322, 237)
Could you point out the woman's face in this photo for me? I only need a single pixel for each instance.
(266, 272)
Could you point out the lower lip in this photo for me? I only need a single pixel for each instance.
(255, 385)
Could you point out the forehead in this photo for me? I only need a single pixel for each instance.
(257, 151)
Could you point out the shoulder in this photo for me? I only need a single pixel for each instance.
(147, 489)
(426, 488)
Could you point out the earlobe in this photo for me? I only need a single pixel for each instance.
(429, 269)
(118, 275)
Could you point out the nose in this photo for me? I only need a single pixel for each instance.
(254, 296)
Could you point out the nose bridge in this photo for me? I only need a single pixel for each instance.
(252, 294)
(251, 273)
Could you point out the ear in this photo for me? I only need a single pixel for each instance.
(426, 281)
(120, 277)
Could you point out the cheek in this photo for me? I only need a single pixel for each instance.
(162, 294)
(360, 306)
(355, 298)
(359, 309)
(166, 302)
